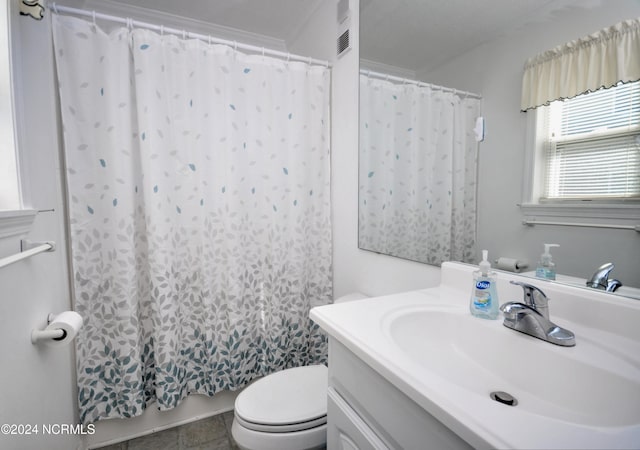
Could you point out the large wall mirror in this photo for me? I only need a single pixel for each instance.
(469, 57)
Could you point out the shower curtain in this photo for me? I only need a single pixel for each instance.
(198, 188)
(418, 163)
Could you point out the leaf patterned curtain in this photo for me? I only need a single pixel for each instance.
(198, 186)
(418, 171)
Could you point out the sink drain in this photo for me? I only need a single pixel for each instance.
(503, 397)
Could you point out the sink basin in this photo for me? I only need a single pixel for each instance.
(482, 356)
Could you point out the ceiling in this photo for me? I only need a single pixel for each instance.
(411, 34)
(418, 35)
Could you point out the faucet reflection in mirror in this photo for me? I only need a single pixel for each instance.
(600, 279)
(418, 165)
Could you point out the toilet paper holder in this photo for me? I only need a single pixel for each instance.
(42, 335)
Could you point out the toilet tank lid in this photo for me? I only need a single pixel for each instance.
(350, 297)
(286, 397)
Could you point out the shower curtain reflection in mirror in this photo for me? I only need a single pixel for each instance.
(198, 186)
(418, 170)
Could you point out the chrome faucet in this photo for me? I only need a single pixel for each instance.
(532, 317)
(600, 279)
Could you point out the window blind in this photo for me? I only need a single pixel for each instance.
(593, 145)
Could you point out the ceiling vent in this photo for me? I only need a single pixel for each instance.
(344, 43)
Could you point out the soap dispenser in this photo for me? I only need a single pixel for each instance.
(484, 295)
(546, 268)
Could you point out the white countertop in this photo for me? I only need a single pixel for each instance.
(363, 327)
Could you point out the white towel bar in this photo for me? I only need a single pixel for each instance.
(28, 249)
(578, 224)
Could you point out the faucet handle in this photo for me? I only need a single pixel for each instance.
(612, 285)
(511, 310)
(534, 298)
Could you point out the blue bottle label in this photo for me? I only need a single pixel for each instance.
(482, 296)
(543, 272)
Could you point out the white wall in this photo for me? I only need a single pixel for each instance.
(495, 71)
(38, 385)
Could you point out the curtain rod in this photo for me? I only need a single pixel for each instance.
(388, 77)
(186, 34)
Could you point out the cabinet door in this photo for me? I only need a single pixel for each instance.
(345, 428)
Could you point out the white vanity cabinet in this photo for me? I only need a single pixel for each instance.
(365, 411)
(346, 429)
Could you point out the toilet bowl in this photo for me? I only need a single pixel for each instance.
(286, 410)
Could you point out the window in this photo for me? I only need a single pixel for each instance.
(582, 154)
(9, 192)
(15, 220)
(591, 146)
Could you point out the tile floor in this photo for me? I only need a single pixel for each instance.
(212, 433)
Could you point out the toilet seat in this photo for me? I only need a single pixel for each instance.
(287, 401)
(287, 428)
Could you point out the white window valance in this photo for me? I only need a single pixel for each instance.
(601, 59)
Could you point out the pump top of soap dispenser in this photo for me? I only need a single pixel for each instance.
(545, 258)
(485, 265)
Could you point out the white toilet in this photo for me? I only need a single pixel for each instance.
(286, 410)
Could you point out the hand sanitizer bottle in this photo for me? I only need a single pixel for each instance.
(484, 295)
(546, 268)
